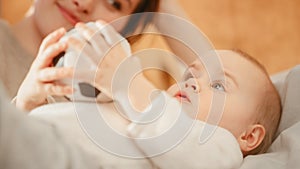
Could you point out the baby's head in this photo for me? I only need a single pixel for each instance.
(252, 105)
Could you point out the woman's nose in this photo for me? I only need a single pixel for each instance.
(193, 85)
(84, 6)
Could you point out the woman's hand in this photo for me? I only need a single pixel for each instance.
(42, 76)
(106, 49)
(109, 50)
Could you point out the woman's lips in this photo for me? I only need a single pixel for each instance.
(182, 96)
(68, 15)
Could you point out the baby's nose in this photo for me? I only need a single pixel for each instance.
(192, 84)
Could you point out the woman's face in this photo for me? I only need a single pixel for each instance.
(52, 14)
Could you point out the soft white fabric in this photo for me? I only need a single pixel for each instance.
(220, 151)
(285, 150)
(64, 117)
(29, 143)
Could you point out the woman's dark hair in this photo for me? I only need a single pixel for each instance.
(142, 19)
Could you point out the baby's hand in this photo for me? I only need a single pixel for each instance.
(41, 78)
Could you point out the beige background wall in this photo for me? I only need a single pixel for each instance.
(13, 10)
(266, 29)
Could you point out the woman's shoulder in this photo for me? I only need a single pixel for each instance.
(8, 41)
(3, 23)
(15, 61)
(6, 35)
(4, 28)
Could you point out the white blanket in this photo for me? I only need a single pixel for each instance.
(64, 117)
(219, 151)
(216, 149)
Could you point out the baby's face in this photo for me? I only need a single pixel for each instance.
(242, 87)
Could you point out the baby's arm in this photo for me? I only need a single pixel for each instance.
(40, 80)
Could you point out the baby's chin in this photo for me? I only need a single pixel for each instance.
(192, 108)
(196, 112)
(192, 111)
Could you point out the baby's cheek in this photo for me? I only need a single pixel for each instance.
(173, 89)
(204, 107)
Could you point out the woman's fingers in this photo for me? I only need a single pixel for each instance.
(80, 49)
(109, 33)
(87, 30)
(113, 38)
(51, 74)
(52, 38)
(57, 90)
(45, 58)
(47, 77)
(75, 44)
(94, 37)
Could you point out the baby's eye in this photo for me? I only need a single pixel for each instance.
(218, 86)
(116, 4)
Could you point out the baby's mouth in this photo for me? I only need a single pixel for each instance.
(182, 96)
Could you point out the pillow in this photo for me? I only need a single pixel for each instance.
(284, 151)
(289, 90)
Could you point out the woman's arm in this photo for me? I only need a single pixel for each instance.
(173, 7)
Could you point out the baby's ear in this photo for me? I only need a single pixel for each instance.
(251, 138)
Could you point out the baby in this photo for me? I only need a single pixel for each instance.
(252, 105)
(247, 127)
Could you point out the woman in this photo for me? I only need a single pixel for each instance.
(20, 43)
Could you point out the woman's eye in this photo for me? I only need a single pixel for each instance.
(218, 86)
(116, 4)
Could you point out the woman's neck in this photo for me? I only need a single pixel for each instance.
(28, 35)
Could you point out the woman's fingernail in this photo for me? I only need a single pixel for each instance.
(79, 24)
(100, 24)
(61, 30)
(62, 46)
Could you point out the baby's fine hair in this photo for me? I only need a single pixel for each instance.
(268, 111)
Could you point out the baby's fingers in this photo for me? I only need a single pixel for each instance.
(53, 73)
